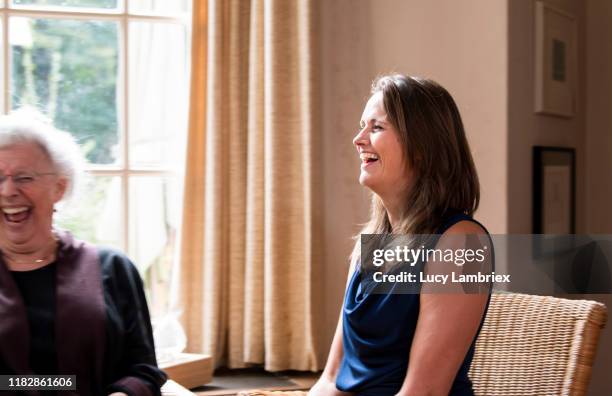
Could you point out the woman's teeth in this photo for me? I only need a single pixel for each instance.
(16, 215)
(368, 157)
(11, 211)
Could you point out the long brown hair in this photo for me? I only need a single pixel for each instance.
(433, 141)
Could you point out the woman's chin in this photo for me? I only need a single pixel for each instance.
(363, 180)
(16, 235)
(368, 182)
(15, 239)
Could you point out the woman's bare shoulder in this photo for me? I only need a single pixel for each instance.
(465, 227)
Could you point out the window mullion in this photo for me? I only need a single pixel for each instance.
(125, 199)
(42, 13)
(6, 63)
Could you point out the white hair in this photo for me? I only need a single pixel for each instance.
(28, 125)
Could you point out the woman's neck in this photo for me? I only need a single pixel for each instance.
(25, 257)
(394, 203)
(394, 213)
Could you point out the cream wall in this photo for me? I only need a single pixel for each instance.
(599, 117)
(345, 74)
(462, 45)
(598, 159)
(589, 132)
(526, 128)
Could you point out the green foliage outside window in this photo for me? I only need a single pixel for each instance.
(69, 72)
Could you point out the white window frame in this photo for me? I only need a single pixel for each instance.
(122, 169)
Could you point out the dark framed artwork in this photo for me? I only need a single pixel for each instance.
(554, 190)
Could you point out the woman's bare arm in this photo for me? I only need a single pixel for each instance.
(326, 385)
(445, 330)
(335, 355)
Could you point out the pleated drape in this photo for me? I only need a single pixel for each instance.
(249, 230)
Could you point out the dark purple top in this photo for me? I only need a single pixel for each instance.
(102, 329)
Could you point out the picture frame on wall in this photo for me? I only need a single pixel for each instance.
(555, 61)
(554, 190)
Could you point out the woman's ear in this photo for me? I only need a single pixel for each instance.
(60, 189)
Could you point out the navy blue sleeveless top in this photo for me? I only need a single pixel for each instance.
(377, 335)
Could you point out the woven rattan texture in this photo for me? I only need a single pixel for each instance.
(536, 345)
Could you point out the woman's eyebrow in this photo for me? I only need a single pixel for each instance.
(373, 120)
(20, 169)
(379, 120)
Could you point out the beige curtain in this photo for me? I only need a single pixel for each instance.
(248, 238)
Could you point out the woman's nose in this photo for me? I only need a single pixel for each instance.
(7, 186)
(361, 138)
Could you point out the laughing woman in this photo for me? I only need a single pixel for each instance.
(67, 307)
(417, 163)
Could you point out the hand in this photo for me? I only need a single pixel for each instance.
(326, 387)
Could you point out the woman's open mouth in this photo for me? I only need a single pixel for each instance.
(16, 215)
(368, 158)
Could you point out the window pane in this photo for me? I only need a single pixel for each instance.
(159, 6)
(106, 4)
(153, 224)
(68, 69)
(95, 214)
(158, 83)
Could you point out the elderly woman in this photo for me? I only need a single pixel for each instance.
(67, 307)
(416, 161)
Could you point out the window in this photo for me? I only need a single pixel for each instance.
(115, 74)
